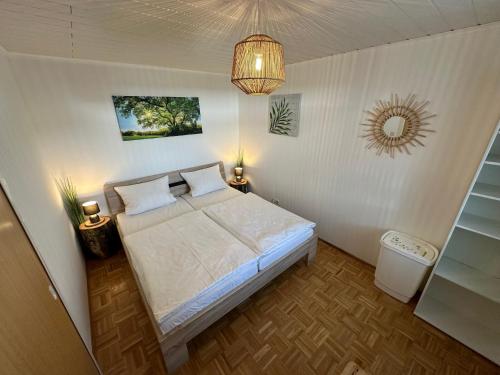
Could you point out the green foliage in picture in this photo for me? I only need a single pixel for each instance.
(143, 117)
(71, 202)
(284, 114)
(280, 118)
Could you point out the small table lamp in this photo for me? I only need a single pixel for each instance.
(91, 209)
(238, 172)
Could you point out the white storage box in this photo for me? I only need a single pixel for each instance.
(403, 262)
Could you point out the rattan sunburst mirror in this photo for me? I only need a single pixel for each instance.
(395, 124)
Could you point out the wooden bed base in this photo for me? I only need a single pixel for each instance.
(174, 343)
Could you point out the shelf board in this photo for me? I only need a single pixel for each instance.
(470, 332)
(481, 225)
(469, 278)
(486, 191)
(493, 159)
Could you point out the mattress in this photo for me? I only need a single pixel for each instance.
(267, 259)
(129, 224)
(270, 231)
(211, 198)
(186, 264)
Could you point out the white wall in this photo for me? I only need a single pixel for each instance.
(35, 198)
(78, 131)
(327, 175)
(58, 120)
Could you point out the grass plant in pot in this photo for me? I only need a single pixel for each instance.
(72, 204)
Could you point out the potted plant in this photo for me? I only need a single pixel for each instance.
(238, 169)
(72, 204)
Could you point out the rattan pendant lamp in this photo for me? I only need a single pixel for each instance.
(258, 64)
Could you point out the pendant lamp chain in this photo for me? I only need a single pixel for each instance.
(258, 17)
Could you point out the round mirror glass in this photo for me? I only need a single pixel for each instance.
(394, 126)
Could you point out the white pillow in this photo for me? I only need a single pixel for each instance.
(204, 181)
(145, 196)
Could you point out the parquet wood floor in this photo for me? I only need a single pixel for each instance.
(310, 320)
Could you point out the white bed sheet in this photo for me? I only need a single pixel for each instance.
(211, 198)
(267, 229)
(283, 249)
(129, 224)
(186, 264)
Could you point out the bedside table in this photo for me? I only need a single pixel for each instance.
(100, 239)
(240, 185)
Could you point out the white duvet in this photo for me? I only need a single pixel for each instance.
(129, 224)
(211, 198)
(262, 226)
(187, 263)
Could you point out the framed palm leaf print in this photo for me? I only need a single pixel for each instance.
(284, 114)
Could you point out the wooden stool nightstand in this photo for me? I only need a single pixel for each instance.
(100, 239)
(241, 185)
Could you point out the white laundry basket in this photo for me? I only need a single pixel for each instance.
(403, 262)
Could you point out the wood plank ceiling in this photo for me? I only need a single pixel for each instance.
(200, 34)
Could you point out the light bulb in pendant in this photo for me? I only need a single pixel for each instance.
(258, 62)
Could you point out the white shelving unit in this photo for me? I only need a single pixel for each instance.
(462, 295)
(482, 225)
(493, 159)
(469, 278)
(486, 191)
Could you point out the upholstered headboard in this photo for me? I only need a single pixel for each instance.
(178, 185)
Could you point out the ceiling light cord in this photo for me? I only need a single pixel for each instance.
(258, 18)
(71, 36)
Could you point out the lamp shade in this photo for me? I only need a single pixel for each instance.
(90, 208)
(258, 65)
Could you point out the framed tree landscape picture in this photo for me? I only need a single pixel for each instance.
(145, 117)
(284, 114)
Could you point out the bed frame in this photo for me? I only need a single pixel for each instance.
(174, 343)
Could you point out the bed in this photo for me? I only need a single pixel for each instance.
(201, 257)
(209, 199)
(270, 231)
(195, 236)
(131, 224)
